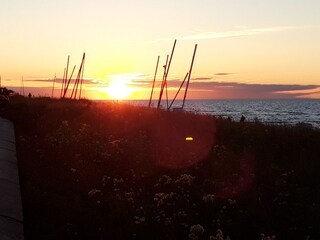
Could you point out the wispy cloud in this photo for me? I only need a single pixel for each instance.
(128, 77)
(59, 80)
(222, 74)
(233, 90)
(229, 34)
(305, 92)
(202, 79)
(214, 90)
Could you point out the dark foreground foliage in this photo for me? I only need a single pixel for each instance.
(111, 171)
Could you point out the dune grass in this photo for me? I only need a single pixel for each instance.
(113, 171)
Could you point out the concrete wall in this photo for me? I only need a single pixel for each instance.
(11, 218)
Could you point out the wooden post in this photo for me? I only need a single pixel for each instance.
(65, 78)
(185, 78)
(81, 81)
(81, 75)
(67, 85)
(54, 81)
(166, 74)
(64, 74)
(76, 84)
(163, 77)
(185, 93)
(154, 80)
(167, 95)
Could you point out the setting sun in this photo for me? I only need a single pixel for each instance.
(118, 89)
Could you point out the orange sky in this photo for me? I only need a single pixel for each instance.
(246, 49)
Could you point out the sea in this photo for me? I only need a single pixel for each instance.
(305, 112)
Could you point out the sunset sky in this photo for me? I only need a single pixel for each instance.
(246, 48)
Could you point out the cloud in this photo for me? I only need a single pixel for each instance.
(202, 79)
(229, 34)
(59, 80)
(205, 88)
(233, 90)
(253, 87)
(223, 74)
(301, 93)
(127, 77)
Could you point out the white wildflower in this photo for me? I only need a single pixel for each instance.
(196, 231)
(185, 179)
(209, 198)
(117, 181)
(139, 220)
(130, 197)
(162, 198)
(93, 192)
(164, 180)
(105, 180)
(232, 202)
(182, 214)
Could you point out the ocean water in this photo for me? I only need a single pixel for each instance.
(293, 111)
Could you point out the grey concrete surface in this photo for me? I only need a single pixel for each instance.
(11, 218)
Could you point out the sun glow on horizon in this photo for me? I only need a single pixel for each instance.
(121, 86)
(118, 89)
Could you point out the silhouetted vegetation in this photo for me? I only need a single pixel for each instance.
(113, 171)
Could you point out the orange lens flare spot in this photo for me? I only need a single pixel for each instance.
(189, 138)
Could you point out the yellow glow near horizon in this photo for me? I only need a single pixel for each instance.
(118, 89)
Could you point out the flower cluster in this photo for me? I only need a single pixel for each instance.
(185, 179)
(139, 220)
(218, 236)
(196, 231)
(209, 198)
(264, 237)
(94, 192)
(164, 198)
(163, 180)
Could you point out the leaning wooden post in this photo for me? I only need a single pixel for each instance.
(154, 80)
(54, 81)
(81, 81)
(66, 77)
(185, 93)
(76, 84)
(64, 74)
(67, 85)
(80, 75)
(185, 78)
(167, 95)
(166, 74)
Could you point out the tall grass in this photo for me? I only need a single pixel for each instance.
(113, 171)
